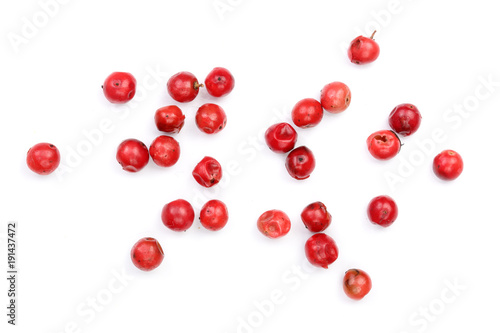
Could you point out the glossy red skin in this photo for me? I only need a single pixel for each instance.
(321, 250)
(363, 50)
(183, 87)
(382, 210)
(307, 113)
(214, 215)
(133, 155)
(300, 163)
(147, 254)
(211, 118)
(405, 119)
(178, 215)
(357, 284)
(43, 158)
(316, 217)
(169, 119)
(219, 82)
(165, 151)
(383, 145)
(448, 165)
(281, 137)
(335, 97)
(274, 223)
(208, 172)
(119, 87)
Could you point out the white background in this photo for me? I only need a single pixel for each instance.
(76, 228)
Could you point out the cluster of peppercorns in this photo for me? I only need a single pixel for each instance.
(133, 155)
(320, 249)
(404, 120)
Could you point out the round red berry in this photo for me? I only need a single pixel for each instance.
(183, 87)
(274, 223)
(178, 215)
(363, 50)
(119, 87)
(382, 210)
(335, 97)
(132, 154)
(405, 119)
(383, 145)
(300, 163)
(43, 158)
(165, 151)
(316, 217)
(147, 254)
(214, 215)
(307, 113)
(219, 82)
(211, 118)
(321, 250)
(208, 172)
(448, 165)
(357, 284)
(281, 138)
(169, 119)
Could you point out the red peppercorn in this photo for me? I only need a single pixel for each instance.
(274, 223)
(281, 137)
(183, 87)
(43, 158)
(300, 163)
(119, 87)
(147, 254)
(316, 217)
(132, 155)
(448, 165)
(321, 250)
(178, 215)
(211, 118)
(165, 151)
(169, 119)
(382, 210)
(357, 284)
(208, 172)
(214, 215)
(219, 82)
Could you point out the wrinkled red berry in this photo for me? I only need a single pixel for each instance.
(357, 284)
(147, 254)
(132, 154)
(274, 223)
(208, 172)
(211, 118)
(169, 119)
(178, 215)
(316, 217)
(383, 145)
(43, 158)
(214, 215)
(382, 210)
(307, 113)
(405, 119)
(335, 97)
(119, 87)
(219, 82)
(321, 250)
(300, 163)
(281, 137)
(448, 165)
(165, 151)
(183, 87)
(363, 50)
